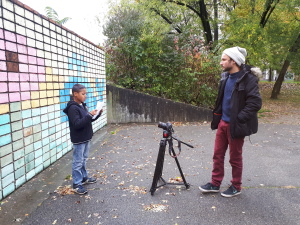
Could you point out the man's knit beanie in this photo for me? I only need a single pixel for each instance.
(237, 54)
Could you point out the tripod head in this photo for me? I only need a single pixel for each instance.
(167, 133)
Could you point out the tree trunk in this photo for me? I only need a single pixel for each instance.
(270, 74)
(280, 79)
(286, 64)
(216, 28)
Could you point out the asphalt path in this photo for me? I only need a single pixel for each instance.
(123, 158)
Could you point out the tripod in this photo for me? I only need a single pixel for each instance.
(168, 139)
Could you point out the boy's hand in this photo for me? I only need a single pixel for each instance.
(93, 112)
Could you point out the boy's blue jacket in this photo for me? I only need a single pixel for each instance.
(80, 122)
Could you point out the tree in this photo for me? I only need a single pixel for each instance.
(52, 14)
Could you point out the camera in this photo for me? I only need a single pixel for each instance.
(166, 126)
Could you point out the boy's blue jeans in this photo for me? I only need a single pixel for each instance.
(80, 155)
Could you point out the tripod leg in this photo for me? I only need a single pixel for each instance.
(187, 185)
(159, 165)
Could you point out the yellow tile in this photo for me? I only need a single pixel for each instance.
(50, 86)
(61, 85)
(43, 86)
(35, 95)
(43, 102)
(49, 78)
(55, 78)
(26, 104)
(61, 78)
(56, 100)
(55, 85)
(56, 93)
(43, 94)
(50, 93)
(4, 108)
(50, 101)
(35, 103)
(93, 84)
(49, 70)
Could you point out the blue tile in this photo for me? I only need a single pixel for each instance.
(70, 66)
(4, 119)
(5, 129)
(4, 140)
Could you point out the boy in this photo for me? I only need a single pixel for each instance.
(81, 132)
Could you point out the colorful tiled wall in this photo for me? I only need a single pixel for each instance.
(40, 61)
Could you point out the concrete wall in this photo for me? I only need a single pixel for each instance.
(40, 61)
(125, 106)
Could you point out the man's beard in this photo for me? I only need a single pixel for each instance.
(227, 69)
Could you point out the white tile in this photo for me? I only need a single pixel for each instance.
(39, 45)
(48, 62)
(53, 49)
(8, 15)
(53, 34)
(47, 47)
(19, 10)
(30, 33)
(40, 53)
(9, 25)
(29, 15)
(7, 5)
(38, 28)
(38, 19)
(21, 30)
(59, 51)
(47, 40)
(46, 23)
(54, 56)
(29, 24)
(46, 31)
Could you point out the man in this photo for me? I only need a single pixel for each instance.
(234, 117)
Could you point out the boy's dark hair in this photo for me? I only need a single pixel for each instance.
(77, 88)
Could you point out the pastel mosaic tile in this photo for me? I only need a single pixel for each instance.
(39, 64)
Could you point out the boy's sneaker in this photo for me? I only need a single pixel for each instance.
(89, 180)
(230, 192)
(79, 189)
(209, 188)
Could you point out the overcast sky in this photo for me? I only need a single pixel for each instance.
(82, 12)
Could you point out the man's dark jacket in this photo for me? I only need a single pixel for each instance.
(80, 122)
(245, 103)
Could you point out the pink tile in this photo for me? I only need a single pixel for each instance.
(3, 76)
(33, 69)
(23, 68)
(24, 77)
(3, 87)
(13, 87)
(22, 49)
(2, 55)
(31, 51)
(2, 45)
(1, 34)
(34, 86)
(42, 77)
(10, 36)
(14, 97)
(41, 69)
(3, 98)
(13, 77)
(25, 86)
(11, 46)
(33, 77)
(25, 96)
(21, 39)
(3, 65)
(41, 62)
(23, 58)
(32, 59)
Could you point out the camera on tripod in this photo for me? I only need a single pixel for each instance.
(167, 127)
